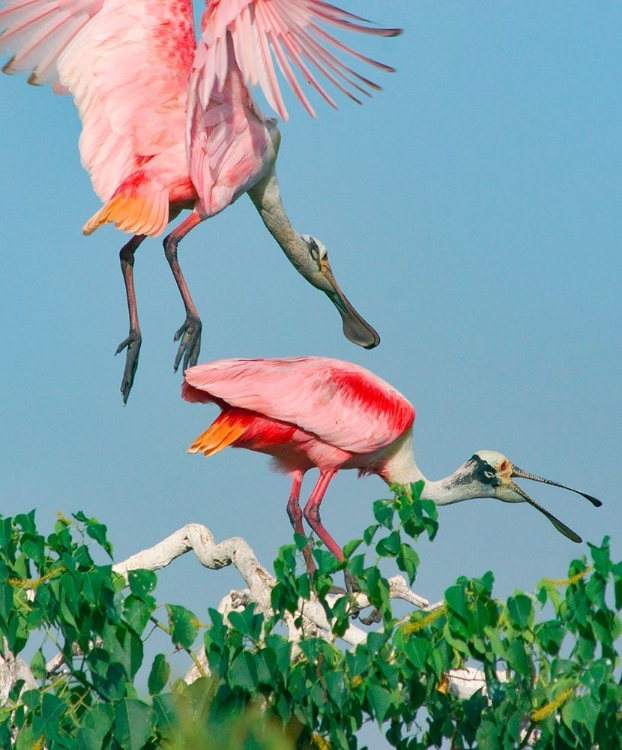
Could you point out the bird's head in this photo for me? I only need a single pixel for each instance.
(316, 269)
(491, 474)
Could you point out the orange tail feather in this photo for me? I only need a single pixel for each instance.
(221, 433)
(133, 211)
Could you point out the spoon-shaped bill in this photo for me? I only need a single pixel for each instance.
(561, 527)
(355, 328)
(516, 472)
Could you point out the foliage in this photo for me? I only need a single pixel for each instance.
(550, 660)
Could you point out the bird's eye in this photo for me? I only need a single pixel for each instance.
(503, 466)
(314, 250)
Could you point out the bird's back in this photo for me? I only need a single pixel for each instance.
(343, 404)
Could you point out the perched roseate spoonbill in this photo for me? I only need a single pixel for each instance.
(171, 125)
(315, 411)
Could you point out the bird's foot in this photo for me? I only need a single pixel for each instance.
(190, 344)
(353, 588)
(374, 617)
(132, 343)
(352, 585)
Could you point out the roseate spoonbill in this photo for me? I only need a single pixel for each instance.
(171, 125)
(315, 411)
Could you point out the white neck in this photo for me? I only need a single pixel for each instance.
(401, 468)
(266, 197)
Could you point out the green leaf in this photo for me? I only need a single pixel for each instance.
(6, 602)
(34, 548)
(52, 709)
(282, 648)
(383, 513)
(550, 635)
(408, 561)
(417, 650)
(520, 610)
(369, 533)
(243, 672)
(380, 701)
(389, 546)
(247, 622)
(602, 558)
(335, 687)
(137, 613)
(455, 596)
(184, 625)
(27, 523)
(351, 547)
(159, 674)
(97, 531)
(96, 725)
(133, 722)
(488, 735)
(142, 582)
(37, 665)
(517, 658)
(128, 650)
(166, 717)
(30, 698)
(375, 641)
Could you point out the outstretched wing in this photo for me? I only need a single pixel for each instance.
(292, 32)
(128, 71)
(126, 64)
(344, 404)
(38, 31)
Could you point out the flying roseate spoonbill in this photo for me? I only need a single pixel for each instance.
(171, 125)
(315, 411)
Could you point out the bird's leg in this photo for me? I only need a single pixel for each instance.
(295, 516)
(190, 331)
(312, 513)
(133, 341)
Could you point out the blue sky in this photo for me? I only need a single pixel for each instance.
(472, 214)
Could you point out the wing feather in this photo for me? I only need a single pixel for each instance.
(291, 32)
(38, 31)
(128, 71)
(341, 403)
(229, 142)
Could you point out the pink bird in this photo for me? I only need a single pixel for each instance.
(317, 412)
(170, 125)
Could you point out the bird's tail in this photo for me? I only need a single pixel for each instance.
(224, 431)
(137, 206)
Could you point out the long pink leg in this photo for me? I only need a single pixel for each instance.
(295, 516)
(190, 331)
(134, 340)
(312, 512)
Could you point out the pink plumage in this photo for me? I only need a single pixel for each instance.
(317, 412)
(169, 124)
(305, 412)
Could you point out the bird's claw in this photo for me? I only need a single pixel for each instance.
(190, 344)
(132, 343)
(352, 585)
(374, 617)
(353, 588)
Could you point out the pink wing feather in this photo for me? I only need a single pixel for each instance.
(229, 142)
(293, 31)
(38, 31)
(128, 71)
(344, 404)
